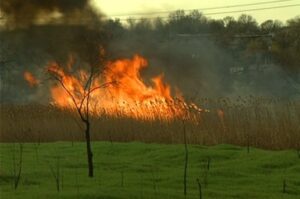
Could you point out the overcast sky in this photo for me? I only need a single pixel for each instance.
(117, 7)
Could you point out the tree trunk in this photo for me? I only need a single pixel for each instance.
(88, 149)
(200, 188)
(185, 161)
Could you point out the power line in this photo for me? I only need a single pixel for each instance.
(254, 9)
(202, 9)
(225, 12)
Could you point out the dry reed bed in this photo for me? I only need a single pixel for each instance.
(247, 121)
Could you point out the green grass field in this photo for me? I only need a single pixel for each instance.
(137, 170)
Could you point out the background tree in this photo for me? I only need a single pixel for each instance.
(80, 95)
(286, 47)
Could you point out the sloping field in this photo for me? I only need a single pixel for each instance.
(137, 170)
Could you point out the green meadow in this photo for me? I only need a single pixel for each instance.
(138, 170)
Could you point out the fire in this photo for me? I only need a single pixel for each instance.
(32, 81)
(119, 91)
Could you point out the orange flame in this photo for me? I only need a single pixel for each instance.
(119, 91)
(32, 81)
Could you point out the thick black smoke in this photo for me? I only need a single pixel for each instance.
(54, 26)
(34, 32)
(20, 13)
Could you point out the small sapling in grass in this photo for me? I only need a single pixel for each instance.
(17, 166)
(56, 173)
(199, 188)
(284, 186)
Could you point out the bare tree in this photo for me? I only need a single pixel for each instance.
(185, 160)
(200, 188)
(82, 106)
(17, 167)
(56, 172)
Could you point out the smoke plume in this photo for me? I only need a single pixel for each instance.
(22, 14)
(35, 32)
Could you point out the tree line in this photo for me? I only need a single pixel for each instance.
(244, 37)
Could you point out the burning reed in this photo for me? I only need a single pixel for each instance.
(249, 121)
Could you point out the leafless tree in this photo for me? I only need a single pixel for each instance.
(82, 107)
(185, 160)
(17, 167)
(56, 172)
(200, 188)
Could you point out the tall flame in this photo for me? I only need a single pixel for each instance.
(119, 91)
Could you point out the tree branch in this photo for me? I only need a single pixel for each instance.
(72, 97)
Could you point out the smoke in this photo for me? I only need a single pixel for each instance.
(54, 27)
(22, 14)
(201, 68)
(195, 67)
(35, 32)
